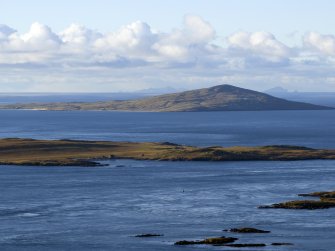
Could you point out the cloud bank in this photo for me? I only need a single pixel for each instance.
(137, 56)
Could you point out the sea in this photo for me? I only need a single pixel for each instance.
(103, 208)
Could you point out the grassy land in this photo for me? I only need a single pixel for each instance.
(16, 151)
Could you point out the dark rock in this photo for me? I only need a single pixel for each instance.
(185, 242)
(247, 230)
(209, 241)
(281, 244)
(148, 235)
(303, 204)
(330, 195)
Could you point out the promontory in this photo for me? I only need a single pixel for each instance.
(17, 151)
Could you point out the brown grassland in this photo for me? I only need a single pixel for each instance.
(16, 151)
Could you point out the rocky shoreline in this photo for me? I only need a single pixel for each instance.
(225, 241)
(325, 200)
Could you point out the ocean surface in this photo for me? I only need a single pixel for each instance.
(12, 98)
(102, 208)
(319, 98)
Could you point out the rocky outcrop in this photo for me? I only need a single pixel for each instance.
(247, 230)
(302, 204)
(281, 244)
(326, 200)
(326, 195)
(209, 241)
(148, 235)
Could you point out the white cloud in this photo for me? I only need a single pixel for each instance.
(320, 43)
(137, 53)
(39, 44)
(259, 44)
(138, 41)
(38, 38)
(196, 30)
(132, 39)
(79, 35)
(193, 43)
(186, 43)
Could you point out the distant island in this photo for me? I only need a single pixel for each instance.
(217, 98)
(30, 152)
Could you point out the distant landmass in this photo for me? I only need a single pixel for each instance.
(7, 98)
(277, 89)
(217, 98)
(320, 98)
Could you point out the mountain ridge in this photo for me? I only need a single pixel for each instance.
(216, 98)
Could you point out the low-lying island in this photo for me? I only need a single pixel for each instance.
(17, 151)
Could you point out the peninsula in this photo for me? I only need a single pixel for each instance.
(16, 151)
(217, 98)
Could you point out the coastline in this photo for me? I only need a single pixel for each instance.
(65, 152)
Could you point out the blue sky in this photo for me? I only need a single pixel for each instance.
(281, 17)
(107, 45)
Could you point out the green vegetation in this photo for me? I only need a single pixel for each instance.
(16, 151)
(217, 98)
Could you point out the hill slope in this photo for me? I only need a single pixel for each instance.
(217, 98)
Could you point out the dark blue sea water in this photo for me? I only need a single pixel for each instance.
(307, 128)
(101, 208)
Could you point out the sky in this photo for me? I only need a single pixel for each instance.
(112, 46)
